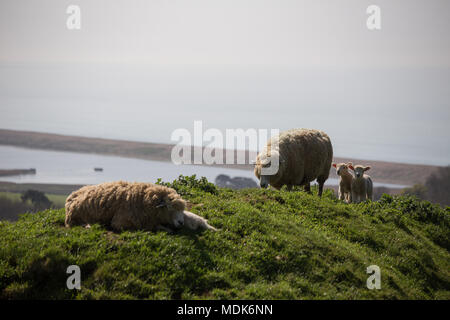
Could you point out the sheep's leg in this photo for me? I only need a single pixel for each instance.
(321, 188)
(349, 197)
(355, 197)
(308, 187)
(321, 181)
(369, 189)
(341, 194)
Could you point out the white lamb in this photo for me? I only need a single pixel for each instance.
(362, 185)
(195, 222)
(345, 181)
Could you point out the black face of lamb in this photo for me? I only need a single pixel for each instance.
(263, 182)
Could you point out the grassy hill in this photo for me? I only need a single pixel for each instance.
(272, 245)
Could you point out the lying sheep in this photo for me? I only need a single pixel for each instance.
(303, 155)
(129, 206)
(345, 181)
(362, 185)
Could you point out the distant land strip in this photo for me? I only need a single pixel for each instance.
(383, 172)
(16, 172)
(59, 189)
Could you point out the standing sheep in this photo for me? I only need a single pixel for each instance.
(362, 185)
(128, 206)
(345, 181)
(304, 155)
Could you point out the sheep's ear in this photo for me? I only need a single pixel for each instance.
(334, 165)
(366, 168)
(349, 164)
(351, 167)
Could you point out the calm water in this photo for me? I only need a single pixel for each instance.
(78, 168)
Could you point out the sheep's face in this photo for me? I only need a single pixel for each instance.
(176, 218)
(342, 168)
(264, 181)
(267, 166)
(359, 170)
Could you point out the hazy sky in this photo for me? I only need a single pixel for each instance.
(228, 32)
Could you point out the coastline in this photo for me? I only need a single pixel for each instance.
(383, 172)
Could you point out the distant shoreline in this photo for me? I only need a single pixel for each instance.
(49, 188)
(16, 172)
(383, 172)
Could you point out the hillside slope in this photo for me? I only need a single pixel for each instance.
(272, 245)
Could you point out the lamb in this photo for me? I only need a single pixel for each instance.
(195, 222)
(345, 181)
(303, 155)
(362, 185)
(130, 206)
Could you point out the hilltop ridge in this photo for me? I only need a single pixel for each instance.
(272, 245)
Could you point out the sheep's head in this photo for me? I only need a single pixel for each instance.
(170, 206)
(176, 218)
(342, 168)
(359, 170)
(267, 166)
(171, 217)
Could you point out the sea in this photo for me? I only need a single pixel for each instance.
(57, 167)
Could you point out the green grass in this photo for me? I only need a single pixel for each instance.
(272, 245)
